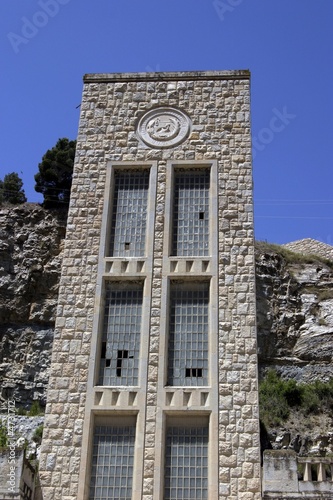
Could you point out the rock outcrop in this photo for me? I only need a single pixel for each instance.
(295, 334)
(30, 264)
(295, 313)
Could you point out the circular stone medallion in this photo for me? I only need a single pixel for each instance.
(163, 127)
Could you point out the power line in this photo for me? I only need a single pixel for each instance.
(292, 202)
(290, 199)
(291, 217)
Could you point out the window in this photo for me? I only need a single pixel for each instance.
(188, 334)
(112, 462)
(129, 215)
(191, 212)
(186, 463)
(121, 334)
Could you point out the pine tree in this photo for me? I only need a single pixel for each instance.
(54, 178)
(11, 189)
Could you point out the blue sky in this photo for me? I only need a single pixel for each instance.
(48, 45)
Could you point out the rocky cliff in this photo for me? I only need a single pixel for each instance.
(30, 263)
(295, 333)
(294, 304)
(295, 311)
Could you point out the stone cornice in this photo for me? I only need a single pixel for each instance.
(167, 76)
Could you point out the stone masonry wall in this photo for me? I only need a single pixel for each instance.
(309, 246)
(239, 446)
(218, 105)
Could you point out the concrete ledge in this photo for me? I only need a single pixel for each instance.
(280, 471)
(280, 476)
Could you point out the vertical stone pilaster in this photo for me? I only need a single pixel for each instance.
(154, 340)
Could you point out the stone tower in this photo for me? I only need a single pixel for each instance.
(153, 387)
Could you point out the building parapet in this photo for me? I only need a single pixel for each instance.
(167, 75)
(286, 476)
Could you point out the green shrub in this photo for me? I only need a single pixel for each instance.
(21, 411)
(3, 436)
(35, 409)
(274, 407)
(310, 400)
(38, 434)
(317, 396)
(292, 392)
(277, 397)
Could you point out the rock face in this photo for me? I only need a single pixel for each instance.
(30, 264)
(295, 335)
(294, 305)
(295, 314)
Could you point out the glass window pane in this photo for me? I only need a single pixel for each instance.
(188, 334)
(184, 483)
(119, 363)
(114, 438)
(129, 216)
(191, 213)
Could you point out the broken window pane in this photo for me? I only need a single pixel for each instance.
(121, 334)
(188, 335)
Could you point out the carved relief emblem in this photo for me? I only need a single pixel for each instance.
(163, 127)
